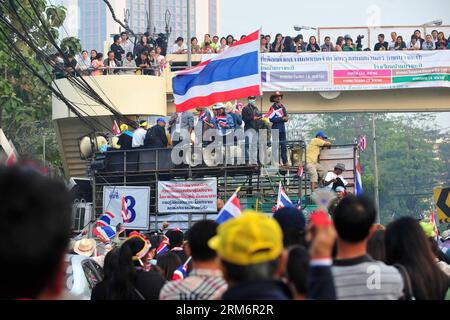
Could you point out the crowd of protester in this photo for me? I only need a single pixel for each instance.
(434, 41)
(250, 257)
(145, 57)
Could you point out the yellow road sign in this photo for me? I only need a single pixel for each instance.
(442, 201)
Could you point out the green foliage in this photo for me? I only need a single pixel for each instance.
(25, 103)
(410, 164)
(71, 45)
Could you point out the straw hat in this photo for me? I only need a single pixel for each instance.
(85, 247)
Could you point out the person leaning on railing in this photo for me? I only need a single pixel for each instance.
(97, 65)
(129, 63)
(111, 63)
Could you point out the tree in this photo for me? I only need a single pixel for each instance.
(408, 160)
(25, 103)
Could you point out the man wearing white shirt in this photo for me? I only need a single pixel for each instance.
(335, 179)
(126, 44)
(179, 47)
(139, 134)
(391, 46)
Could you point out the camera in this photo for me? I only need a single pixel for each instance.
(359, 45)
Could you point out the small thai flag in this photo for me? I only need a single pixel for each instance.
(116, 128)
(230, 210)
(300, 171)
(283, 200)
(274, 113)
(363, 143)
(181, 272)
(202, 117)
(105, 234)
(433, 221)
(105, 219)
(358, 180)
(124, 210)
(163, 247)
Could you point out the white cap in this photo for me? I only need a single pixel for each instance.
(218, 106)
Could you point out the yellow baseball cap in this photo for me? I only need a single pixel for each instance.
(251, 238)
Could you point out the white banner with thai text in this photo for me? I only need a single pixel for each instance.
(365, 70)
(187, 196)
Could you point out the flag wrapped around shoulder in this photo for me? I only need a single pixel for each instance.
(105, 219)
(232, 74)
(358, 180)
(230, 210)
(181, 272)
(283, 200)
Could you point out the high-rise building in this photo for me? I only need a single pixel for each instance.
(173, 13)
(91, 21)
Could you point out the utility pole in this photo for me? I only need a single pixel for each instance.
(375, 168)
(188, 40)
(43, 149)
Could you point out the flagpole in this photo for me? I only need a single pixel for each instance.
(375, 169)
(188, 40)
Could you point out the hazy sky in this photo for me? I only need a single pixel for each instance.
(243, 16)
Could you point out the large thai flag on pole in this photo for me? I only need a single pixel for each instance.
(230, 210)
(233, 74)
(283, 200)
(358, 180)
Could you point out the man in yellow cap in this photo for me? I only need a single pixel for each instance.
(250, 248)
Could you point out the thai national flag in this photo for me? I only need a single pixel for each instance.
(300, 171)
(124, 210)
(274, 113)
(283, 200)
(105, 234)
(230, 210)
(105, 219)
(222, 120)
(433, 221)
(358, 180)
(116, 128)
(163, 247)
(363, 143)
(203, 116)
(233, 74)
(181, 272)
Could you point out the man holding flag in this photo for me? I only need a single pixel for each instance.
(231, 209)
(278, 117)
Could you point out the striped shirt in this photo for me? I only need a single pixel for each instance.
(366, 279)
(201, 284)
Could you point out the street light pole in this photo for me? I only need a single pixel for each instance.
(188, 40)
(375, 168)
